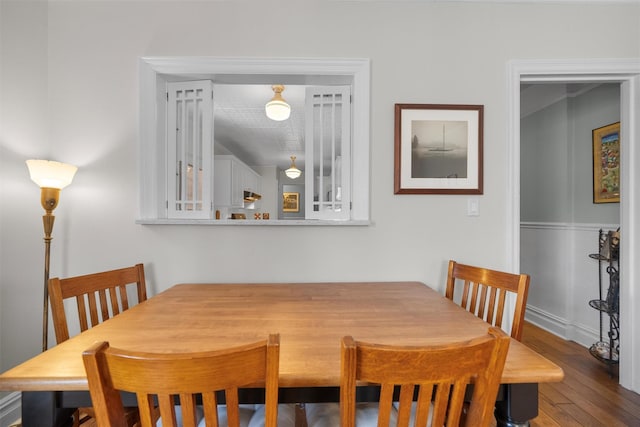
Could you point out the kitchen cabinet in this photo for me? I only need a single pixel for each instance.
(251, 180)
(231, 179)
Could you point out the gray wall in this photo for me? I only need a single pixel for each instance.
(544, 165)
(560, 222)
(596, 108)
(557, 159)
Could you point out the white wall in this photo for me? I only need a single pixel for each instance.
(69, 92)
(563, 278)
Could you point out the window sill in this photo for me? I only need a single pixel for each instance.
(252, 222)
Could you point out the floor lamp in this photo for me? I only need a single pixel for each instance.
(51, 177)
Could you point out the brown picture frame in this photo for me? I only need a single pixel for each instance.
(426, 162)
(290, 202)
(606, 163)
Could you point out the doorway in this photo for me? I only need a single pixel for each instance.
(627, 74)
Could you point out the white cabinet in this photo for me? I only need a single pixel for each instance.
(251, 180)
(231, 179)
(227, 182)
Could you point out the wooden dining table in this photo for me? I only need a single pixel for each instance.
(311, 318)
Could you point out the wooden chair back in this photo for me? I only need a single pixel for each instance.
(440, 374)
(157, 379)
(99, 296)
(484, 293)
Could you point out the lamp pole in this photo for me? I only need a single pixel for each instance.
(49, 199)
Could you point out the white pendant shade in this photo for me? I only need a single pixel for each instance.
(293, 172)
(50, 174)
(277, 109)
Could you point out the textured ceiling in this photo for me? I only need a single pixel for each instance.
(242, 127)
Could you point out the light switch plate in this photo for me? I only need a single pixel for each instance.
(473, 207)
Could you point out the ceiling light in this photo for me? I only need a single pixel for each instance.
(293, 172)
(277, 109)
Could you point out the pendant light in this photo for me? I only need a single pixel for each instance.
(277, 109)
(293, 172)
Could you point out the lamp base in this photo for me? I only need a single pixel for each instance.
(49, 198)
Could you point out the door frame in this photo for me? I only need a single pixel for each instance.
(627, 73)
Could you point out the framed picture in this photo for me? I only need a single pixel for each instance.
(438, 149)
(606, 163)
(290, 202)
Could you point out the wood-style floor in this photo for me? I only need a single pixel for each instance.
(588, 396)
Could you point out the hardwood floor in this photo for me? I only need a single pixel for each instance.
(588, 396)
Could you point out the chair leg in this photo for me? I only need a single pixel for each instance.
(301, 415)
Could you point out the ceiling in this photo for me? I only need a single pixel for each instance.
(537, 96)
(242, 128)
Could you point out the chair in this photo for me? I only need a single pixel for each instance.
(439, 374)
(484, 288)
(105, 295)
(158, 379)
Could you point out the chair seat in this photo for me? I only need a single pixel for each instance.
(286, 415)
(414, 408)
(199, 416)
(250, 416)
(328, 414)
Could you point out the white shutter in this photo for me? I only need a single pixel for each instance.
(190, 149)
(328, 152)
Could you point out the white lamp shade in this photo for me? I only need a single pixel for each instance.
(277, 110)
(50, 174)
(293, 172)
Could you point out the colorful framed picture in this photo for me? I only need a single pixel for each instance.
(606, 163)
(290, 202)
(438, 149)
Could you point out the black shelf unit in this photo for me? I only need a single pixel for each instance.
(608, 350)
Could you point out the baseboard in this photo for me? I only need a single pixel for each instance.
(558, 326)
(547, 321)
(583, 335)
(10, 409)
